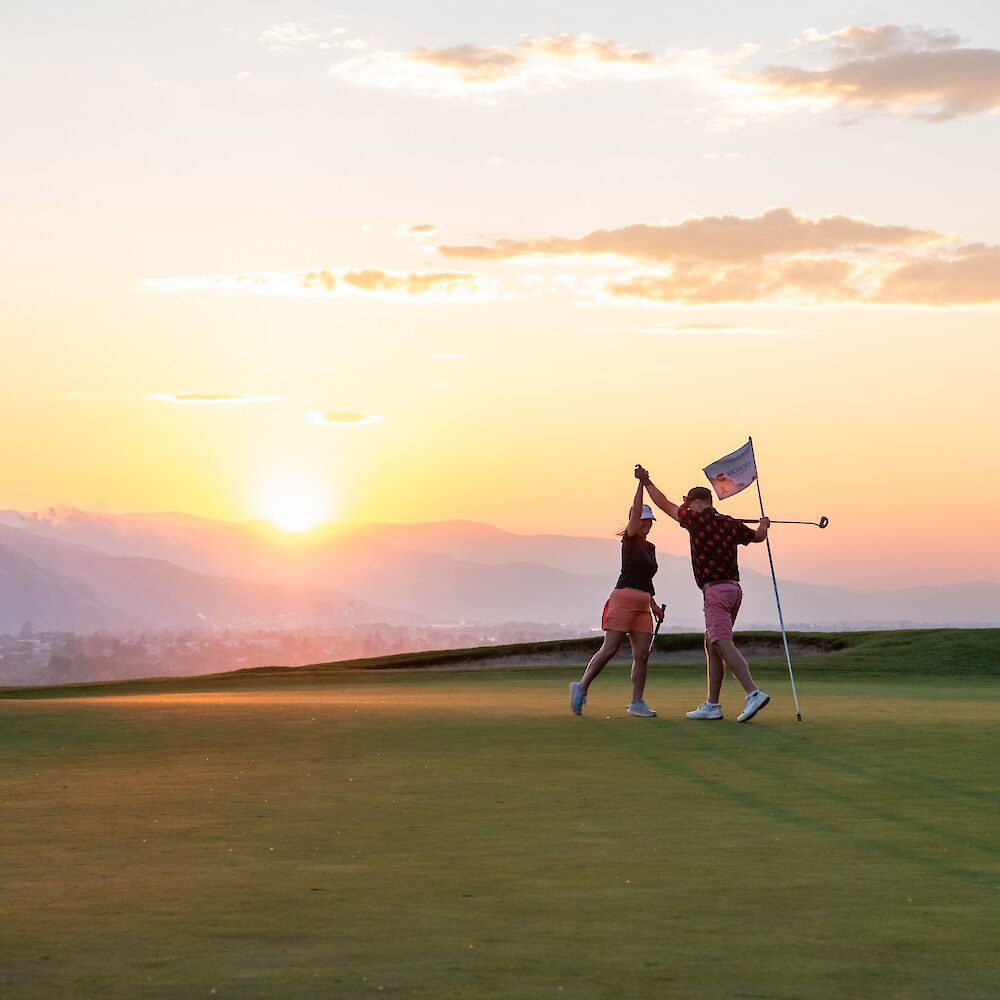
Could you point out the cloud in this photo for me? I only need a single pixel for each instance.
(714, 330)
(969, 276)
(795, 282)
(730, 238)
(339, 419)
(531, 65)
(290, 36)
(778, 258)
(909, 71)
(208, 399)
(422, 231)
(374, 283)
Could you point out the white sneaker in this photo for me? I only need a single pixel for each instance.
(706, 711)
(754, 703)
(640, 708)
(577, 698)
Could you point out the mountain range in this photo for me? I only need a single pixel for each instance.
(63, 568)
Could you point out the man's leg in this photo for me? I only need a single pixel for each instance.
(716, 669)
(736, 662)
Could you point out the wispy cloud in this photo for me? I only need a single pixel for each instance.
(374, 283)
(421, 231)
(777, 258)
(715, 330)
(209, 399)
(914, 72)
(290, 36)
(341, 419)
(530, 65)
(727, 238)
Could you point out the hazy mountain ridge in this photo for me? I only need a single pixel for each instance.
(179, 565)
(66, 585)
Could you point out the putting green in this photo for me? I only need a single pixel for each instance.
(461, 834)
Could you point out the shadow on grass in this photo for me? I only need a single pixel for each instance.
(705, 743)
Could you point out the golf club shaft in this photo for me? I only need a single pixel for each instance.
(663, 615)
(755, 520)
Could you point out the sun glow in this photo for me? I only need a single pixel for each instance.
(293, 508)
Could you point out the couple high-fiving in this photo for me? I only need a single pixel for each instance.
(630, 608)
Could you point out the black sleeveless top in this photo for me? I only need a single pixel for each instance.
(638, 564)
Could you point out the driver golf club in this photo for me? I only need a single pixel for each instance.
(821, 523)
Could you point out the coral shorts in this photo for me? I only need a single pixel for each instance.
(627, 610)
(722, 604)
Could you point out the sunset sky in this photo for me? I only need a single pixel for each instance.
(404, 262)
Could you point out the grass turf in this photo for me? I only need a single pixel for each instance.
(462, 835)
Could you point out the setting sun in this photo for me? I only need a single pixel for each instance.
(293, 508)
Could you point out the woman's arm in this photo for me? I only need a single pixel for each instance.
(654, 494)
(635, 514)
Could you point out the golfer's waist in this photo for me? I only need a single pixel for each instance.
(716, 583)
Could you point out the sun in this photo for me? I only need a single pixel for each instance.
(294, 509)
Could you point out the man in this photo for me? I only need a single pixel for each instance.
(714, 538)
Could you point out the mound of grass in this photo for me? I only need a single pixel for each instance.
(929, 652)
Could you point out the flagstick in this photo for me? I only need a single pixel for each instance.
(774, 580)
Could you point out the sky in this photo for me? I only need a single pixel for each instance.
(398, 262)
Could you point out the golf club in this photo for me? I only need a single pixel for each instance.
(821, 523)
(663, 615)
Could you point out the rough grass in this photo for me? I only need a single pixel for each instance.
(460, 834)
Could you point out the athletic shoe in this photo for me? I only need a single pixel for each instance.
(577, 698)
(706, 711)
(640, 708)
(754, 703)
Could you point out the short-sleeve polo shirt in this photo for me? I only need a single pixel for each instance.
(714, 538)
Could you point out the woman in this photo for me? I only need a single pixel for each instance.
(627, 611)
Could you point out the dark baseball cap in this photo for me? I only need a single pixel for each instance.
(698, 493)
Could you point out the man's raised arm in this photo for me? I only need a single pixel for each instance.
(655, 495)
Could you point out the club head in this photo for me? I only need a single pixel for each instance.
(824, 521)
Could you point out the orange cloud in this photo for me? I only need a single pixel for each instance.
(397, 286)
(777, 258)
(796, 282)
(340, 419)
(914, 72)
(729, 238)
(487, 71)
(968, 277)
(208, 399)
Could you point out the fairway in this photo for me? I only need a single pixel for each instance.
(461, 834)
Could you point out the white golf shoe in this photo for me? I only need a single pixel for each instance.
(577, 698)
(754, 703)
(641, 709)
(706, 711)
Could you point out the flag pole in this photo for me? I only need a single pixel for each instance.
(777, 598)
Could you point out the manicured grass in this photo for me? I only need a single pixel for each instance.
(461, 834)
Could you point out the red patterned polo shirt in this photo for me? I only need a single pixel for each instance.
(714, 538)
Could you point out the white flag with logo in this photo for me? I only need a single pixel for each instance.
(732, 473)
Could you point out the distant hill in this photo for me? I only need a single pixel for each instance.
(67, 586)
(445, 572)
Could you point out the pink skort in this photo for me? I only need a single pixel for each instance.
(627, 610)
(722, 604)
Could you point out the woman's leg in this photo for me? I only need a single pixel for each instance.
(612, 643)
(640, 661)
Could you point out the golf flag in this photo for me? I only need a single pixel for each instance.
(733, 473)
